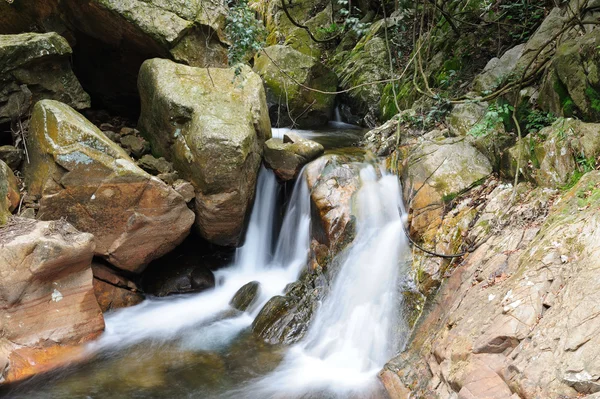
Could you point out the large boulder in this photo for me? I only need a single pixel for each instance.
(79, 174)
(287, 74)
(440, 169)
(47, 298)
(9, 192)
(557, 155)
(333, 180)
(112, 290)
(367, 62)
(36, 66)
(211, 123)
(498, 70)
(287, 156)
(114, 37)
(572, 86)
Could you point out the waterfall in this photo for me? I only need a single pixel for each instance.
(197, 320)
(355, 329)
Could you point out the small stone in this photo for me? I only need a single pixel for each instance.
(126, 131)
(185, 189)
(112, 136)
(106, 126)
(564, 258)
(169, 178)
(12, 156)
(28, 213)
(137, 145)
(155, 166)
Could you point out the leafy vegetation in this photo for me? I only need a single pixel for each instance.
(245, 33)
(496, 115)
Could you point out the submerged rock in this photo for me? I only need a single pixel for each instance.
(289, 102)
(9, 193)
(33, 67)
(211, 123)
(287, 157)
(47, 295)
(81, 175)
(245, 296)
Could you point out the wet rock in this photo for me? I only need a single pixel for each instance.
(289, 103)
(135, 144)
(81, 175)
(12, 156)
(245, 296)
(48, 296)
(9, 193)
(287, 157)
(34, 67)
(194, 116)
(333, 180)
(269, 315)
(202, 279)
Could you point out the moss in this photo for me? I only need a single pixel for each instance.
(566, 102)
(594, 99)
(405, 95)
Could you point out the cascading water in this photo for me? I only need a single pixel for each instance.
(355, 330)
(196, 320)
(352, 335)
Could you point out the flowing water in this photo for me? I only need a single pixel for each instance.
(198, 346)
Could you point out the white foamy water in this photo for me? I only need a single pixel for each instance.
(198, 320)
(355, 330)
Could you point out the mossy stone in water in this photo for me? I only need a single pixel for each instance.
(245, 296)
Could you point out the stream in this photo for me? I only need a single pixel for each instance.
(198, 346)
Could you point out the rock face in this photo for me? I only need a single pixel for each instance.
(366, 62)
(112, 290)
(498, 70)
(114, 37)
(289, 103)
(518, 318)
(33, 67)
(573, 86)
(557, 154)
(287, 156)
(81, 175)
(9, 193)
(47, 295)
(212, 124)
(441, 169)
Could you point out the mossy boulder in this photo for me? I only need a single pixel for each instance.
(572, 86)
(211, 124)
(113, 38)
(367, 62)
(9, 193)
(286, 73)
(557, 155)
(287, 156)
(81, 175)
(464, 117)
(440, 169)
(33, 67)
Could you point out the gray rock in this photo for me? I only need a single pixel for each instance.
(245, 296)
